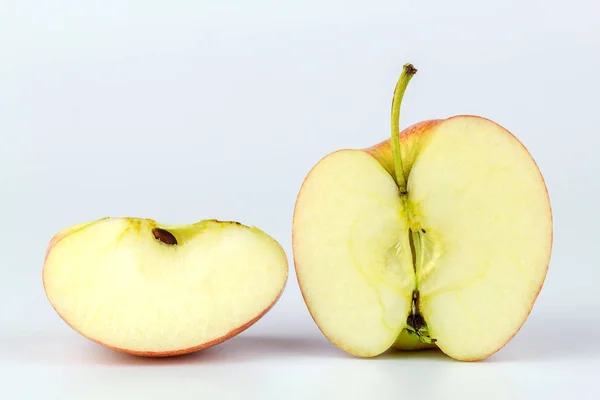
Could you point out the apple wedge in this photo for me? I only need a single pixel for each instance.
(148, 289)
(439, 236)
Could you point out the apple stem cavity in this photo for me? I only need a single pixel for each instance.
(408, 71)
(164, 236)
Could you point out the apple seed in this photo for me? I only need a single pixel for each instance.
(164, 236)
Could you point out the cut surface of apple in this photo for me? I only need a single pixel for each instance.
(144, 288)
(349, 235)
(459, 255)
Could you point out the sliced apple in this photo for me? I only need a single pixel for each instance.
(148, 289)
(442, 237)
(350, 252)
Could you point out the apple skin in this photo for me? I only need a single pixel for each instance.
(234, 332)
(409, 140)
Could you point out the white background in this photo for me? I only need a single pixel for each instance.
(180, 111)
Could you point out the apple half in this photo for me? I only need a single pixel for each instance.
(148, 289)
(439, 236)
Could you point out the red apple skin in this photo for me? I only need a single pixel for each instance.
(411, 133)
(152, 354)
(409, 137)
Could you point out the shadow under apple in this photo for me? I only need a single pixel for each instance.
(61, 349)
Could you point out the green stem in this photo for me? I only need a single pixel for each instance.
(408, 71)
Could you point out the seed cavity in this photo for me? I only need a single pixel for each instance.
(415, 323)
(413, 252)
(164, 236)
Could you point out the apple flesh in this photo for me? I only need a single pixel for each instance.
(143, 288)
(456, 260)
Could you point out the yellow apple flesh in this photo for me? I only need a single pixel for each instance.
(472, 236)
(143, 288)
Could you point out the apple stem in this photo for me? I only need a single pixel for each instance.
(408, 71)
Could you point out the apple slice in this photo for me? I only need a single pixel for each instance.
(440, 236)
(350, 244)
(148, 289)
(483, 218)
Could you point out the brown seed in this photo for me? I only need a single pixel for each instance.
(164, 236)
